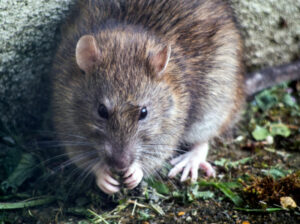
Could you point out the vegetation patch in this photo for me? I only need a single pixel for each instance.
(258, 177)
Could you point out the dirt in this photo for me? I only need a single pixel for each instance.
(239, 159)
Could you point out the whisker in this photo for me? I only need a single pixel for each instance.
(61, 143)
(77, 158)
(65, 164)
(85, 172)
(62, 134)
(161, 148)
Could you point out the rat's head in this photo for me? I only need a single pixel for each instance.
(129, 101)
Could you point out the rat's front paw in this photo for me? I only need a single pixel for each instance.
(133, 176)
(105, 181)
(190, 162)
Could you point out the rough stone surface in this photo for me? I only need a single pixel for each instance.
(28, 34)
(271, 29)
(27, 43)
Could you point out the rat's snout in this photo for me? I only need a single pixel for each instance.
(120, 161)
(119, 158)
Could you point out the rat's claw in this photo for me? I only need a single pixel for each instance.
(208, 169)
(177, 168)
(105, 182)
(133, 176)
(190, 162)
(186, 172)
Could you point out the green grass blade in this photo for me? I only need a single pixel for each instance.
(27, 203)
(236, 199)
(260, 209)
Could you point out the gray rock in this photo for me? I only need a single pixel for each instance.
(28, 37)
(28, 31)
(271, 29)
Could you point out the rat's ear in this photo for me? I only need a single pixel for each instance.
(87, 52)
(160, 60)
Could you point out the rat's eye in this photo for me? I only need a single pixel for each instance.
(102, 111)
(143, 113)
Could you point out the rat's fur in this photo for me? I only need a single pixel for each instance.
(195, 98)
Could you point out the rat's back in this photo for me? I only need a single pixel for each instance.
(203, 36)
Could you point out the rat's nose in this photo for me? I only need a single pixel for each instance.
(119, 162)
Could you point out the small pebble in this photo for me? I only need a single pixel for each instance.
(270, 140)
(181, 213)
(189, 219)
(287, 202)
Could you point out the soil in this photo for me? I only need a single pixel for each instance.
(170, 201)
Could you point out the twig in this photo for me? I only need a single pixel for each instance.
(267, 77)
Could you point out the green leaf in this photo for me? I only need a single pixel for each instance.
(204, 194)
(237, 200)
(159, 186)
(260, 133)
(240, 162)
(276, 172)
(177, 194)
(190, 197)
(289, 100)
(221, 162)
(279, 129)
(226, 163)
(22, 172)
(9, 160)
(144, 215)
(232, 185)
(265, 100)
(194, 193)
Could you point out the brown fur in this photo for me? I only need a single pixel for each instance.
(203, 78)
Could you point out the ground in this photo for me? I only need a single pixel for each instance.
(258, 177)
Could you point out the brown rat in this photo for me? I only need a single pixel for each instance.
(135, 79)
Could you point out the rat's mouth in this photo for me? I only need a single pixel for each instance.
(120, 170)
